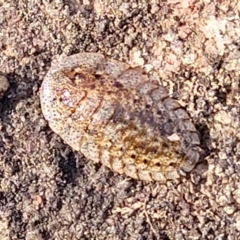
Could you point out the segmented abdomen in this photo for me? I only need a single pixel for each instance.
(114, 114)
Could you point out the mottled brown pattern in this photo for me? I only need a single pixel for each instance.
(112, 113)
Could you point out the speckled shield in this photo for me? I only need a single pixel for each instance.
(114, 114)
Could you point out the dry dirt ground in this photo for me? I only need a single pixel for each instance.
(48, 191)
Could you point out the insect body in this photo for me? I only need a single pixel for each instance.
(114, 114)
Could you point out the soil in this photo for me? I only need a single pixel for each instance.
(48, 191)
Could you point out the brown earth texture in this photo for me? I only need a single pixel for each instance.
(48, 191)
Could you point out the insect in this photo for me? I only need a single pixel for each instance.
(114, 114)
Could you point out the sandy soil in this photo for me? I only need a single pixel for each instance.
(48, 191)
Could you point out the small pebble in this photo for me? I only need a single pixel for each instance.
(4, 85)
